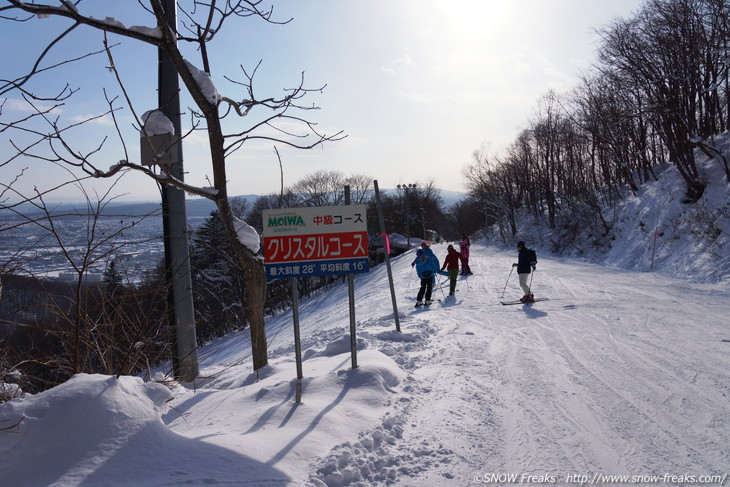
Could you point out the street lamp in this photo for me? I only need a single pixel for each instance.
(423, 222)
(405, 188)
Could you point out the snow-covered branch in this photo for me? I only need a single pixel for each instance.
(150, 35)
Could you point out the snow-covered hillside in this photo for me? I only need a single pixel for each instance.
(620, 372)
(654, 230)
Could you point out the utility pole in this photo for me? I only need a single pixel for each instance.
(423, 222)
(174, 218)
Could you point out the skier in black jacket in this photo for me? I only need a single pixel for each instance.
(526, 262)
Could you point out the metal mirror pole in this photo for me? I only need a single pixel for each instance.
(351, 295)
(387, 256)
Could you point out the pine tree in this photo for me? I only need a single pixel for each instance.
(218, 283)
(112, 279)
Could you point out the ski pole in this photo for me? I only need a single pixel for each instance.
(505, 284)
(441, 287)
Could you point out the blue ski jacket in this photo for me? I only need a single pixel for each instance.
(427, 264)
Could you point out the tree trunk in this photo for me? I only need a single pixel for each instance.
(255, 291)
(255, 298)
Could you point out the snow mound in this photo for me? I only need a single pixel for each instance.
(118, 409)
(117, 433)
(336, 401)
(379, 457)
(341, 345)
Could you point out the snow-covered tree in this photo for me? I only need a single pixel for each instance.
(674, 53)
(219, 284)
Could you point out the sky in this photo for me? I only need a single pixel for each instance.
(417, 86)
(613, 380)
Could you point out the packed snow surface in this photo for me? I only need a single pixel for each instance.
(620, 372)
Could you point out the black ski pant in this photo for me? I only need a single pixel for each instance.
(426, 289)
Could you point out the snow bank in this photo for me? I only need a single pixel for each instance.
(337, 401)
(655, 230)
(100, 414)
(101, 431)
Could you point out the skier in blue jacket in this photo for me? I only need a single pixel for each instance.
(427, 265)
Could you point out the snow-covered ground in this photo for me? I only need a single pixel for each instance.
(620, 372)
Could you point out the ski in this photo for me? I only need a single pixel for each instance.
(507, 303)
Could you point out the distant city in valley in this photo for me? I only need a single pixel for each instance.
(122, 234)
(130, 234)
(134, 244)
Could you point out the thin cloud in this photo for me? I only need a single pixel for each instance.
(22, 106)
(404, 60)
(104, 121)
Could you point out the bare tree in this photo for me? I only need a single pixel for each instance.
(211, 112)
(320, 188)
(659, 92)
(493, 185)
(327, 188)
(54, 330)
(675, 53)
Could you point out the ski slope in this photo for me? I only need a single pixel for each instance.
(618, 373)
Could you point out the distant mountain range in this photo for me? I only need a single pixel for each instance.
(197, 207)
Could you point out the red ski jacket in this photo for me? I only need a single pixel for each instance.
(452, 260)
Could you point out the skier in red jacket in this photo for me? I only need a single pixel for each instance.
(451, 264)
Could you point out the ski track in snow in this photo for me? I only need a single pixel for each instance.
(578, 384)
